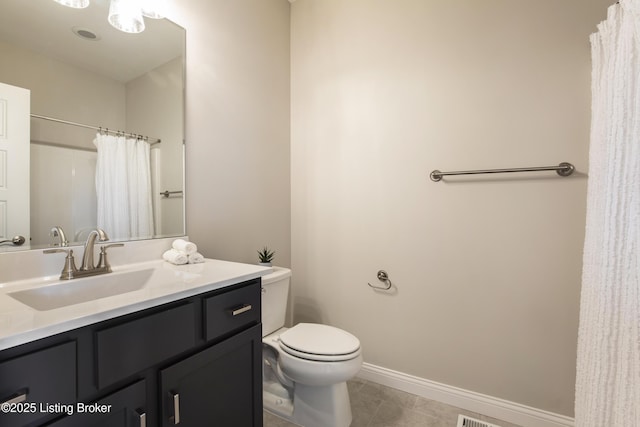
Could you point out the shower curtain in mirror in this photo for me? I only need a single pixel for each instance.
(123, 187)
(608, 364)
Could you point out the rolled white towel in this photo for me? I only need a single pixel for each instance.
(175, 257)
(184, 246)
(195, 258)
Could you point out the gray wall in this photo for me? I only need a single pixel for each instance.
(237, 126)
(487, 269)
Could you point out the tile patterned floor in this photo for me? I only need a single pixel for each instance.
(374, 405)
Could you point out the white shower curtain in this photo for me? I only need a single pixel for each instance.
(123, 186)
(608, 364)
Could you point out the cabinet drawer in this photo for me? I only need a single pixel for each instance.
(131, 347)
(232, 310)
(45, 377)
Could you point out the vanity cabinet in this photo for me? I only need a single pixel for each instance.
(192, 362)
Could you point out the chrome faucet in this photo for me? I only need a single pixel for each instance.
(58, 232)
(87, 256)
(88, 268)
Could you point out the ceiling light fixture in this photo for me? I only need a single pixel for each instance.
(77, 4)
(126, 15)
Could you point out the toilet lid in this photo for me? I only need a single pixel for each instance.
(319, 342)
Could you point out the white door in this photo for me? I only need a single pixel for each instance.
(14, 161)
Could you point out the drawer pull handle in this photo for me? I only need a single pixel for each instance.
(176, 408)
(142, 417)
(241, 310)
(20, 396)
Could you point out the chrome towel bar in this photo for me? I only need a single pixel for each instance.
(167, 193)
(563, 169)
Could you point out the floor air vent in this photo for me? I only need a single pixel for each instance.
(465, 421)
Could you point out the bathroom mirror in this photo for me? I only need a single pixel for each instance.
(85, 73)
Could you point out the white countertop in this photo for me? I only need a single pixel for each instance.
(19, 323)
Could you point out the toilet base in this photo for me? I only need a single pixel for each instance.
(277, 405)
(313, 406)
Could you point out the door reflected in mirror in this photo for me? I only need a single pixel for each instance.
(87, 75)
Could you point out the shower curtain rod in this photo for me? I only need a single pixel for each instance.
(563, 169)
(101, 129)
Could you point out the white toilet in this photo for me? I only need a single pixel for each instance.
(305, 367)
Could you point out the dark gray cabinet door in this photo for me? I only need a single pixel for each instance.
(219, 386)
(30, 383)
(124, 408)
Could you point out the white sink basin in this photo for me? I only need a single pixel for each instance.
(76, 291)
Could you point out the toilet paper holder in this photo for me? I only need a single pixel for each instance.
(383, 277)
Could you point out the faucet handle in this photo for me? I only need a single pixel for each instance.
(69, 270)
(102, 261)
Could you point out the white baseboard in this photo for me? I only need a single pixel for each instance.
(494, 407)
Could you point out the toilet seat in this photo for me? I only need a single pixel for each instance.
(320, 343)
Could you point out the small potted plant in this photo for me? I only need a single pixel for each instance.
(266, 256)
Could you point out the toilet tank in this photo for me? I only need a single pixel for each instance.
(275, 291)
